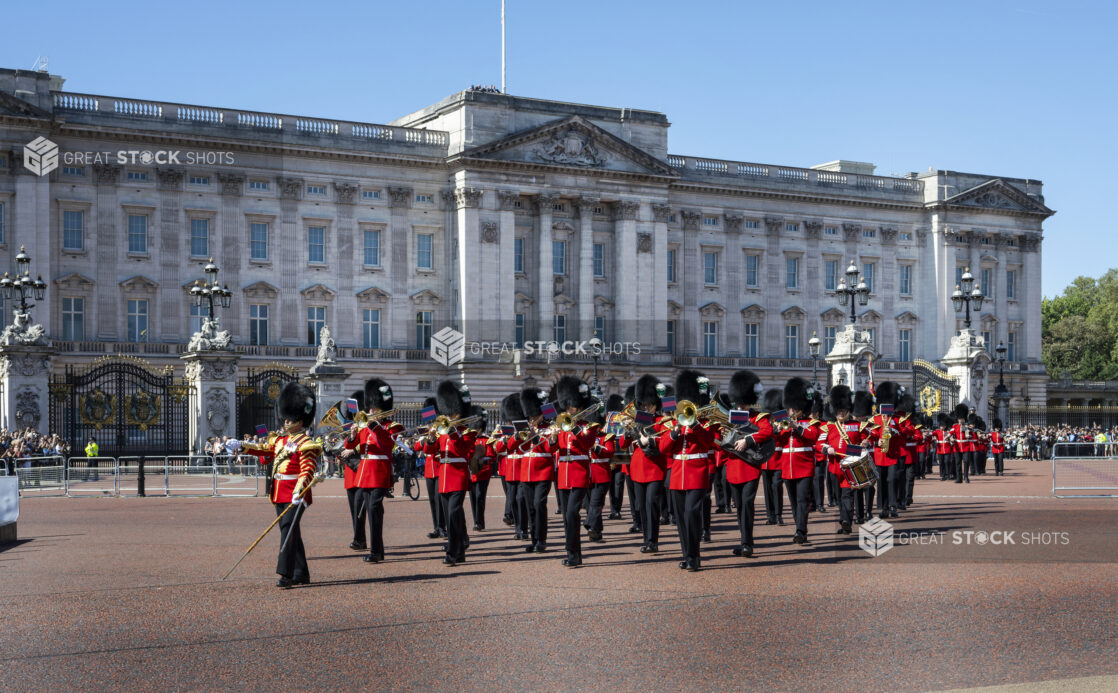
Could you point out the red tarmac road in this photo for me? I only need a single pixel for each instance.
(127, 594)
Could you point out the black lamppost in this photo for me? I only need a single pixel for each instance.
(211, 294)
(595, 345)
(850, 288)
(1001, 392)
(23, 284)
(965, 294)
(813, 349)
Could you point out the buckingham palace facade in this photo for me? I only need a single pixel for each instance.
(517, 221)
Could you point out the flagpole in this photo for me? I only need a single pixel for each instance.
(503, 47)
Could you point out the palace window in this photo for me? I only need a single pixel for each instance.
(199, 237)
(518, 255)
(316, 189)
(370, 328)
(830, 272)
(73, 230)
(671, 266)
(199, 180)
(752, 345)
(137, 233)
(559, 328)
(904, 339)
(316, 319)
(424, 319)
(258, 324)
(710, 221)
(752, 224)
(423, 253)
(600, 327)
(197, 312)
(752, 270)
(670, 331)
(316, 244)
(137, 320)
(710, 269)
(73, 170)
(869, 274)
(906, 282)
(518, 335)
(371, 247)
(791, 228)
(73, 318)
(370, 194)
(869, 233)
(258, 241)
(710, 339)
(424, 199)
(1011, 285)
(138, 176)
(791, 341)
(829, 339)
(599, 260)
(986, 285)
(830, 230)
(792, 273)
(258, 185)
(559, 257)
(1011, 345)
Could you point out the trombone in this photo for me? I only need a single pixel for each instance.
(444, 424)
(569, 422)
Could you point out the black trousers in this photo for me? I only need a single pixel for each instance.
(721, 490)
(371, 501)
(945, 470)
(572, 520)
(846, 505)
(900, 474)
(510, 497)
(455, 515)
(537, 510)
(774, 494)
(832, 488)
(667, 501)
(744, 496)
(972, 456)
(562, 507)
(526, 520)
(292, 561)
(478, 489)
(981, 457)
(961, 466)
(616, 490)
(909, 482)
(886, 482)
(706, 511)
(647, 499)
(438, 522)
(358, 521)
(819, 482)
(799, 497)
(597, 497)
(636, 504)
(999, 463)
(689, 521)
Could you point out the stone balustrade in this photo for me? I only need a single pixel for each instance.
(749, 173)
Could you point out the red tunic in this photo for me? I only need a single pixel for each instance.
(430, 450)
(574, 458)
(912, 438)
(997, 445)
(601, 455)
(895, 451)
(374, 444)
(689, 455)
(300, 460)
(455, 449)
(855, 434)
(485, 471)
(642, 468)
(537, 461)
(737, 471)
(797, 456)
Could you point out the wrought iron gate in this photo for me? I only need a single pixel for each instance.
(257, 393)
(126, 405)
(934, 390)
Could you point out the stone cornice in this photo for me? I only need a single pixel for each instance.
(691, 219)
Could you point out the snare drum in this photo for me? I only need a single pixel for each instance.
(859, 471)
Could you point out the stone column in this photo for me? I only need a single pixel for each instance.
(474, 287)
(691, 269)
(346, 249)
(25, 379)
(849, 358)
(1028, 288)
(772, 337)
(660, 215)
(625, 233)
(173, 246)
(969, 363)
(289, 249)
(212, 410)
(505, 308)
(234, 247)
(545, 298)
(585, 298)
(398, 239)
(888, 279)
(103, 245)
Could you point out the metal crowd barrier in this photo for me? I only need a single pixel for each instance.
(171, 475)
(1084, 470)
(41, 476)
(91, 476)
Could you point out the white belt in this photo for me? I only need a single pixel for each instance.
(536, 454)
(690, 456)
(799, 449)
(375, 457)
(453, 460)
(910, 445)
(600, 460)
(285, 477)
(573, 458)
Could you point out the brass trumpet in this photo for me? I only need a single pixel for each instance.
(568, 422)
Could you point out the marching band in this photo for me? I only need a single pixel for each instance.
(669, 446)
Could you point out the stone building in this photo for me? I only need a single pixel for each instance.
(515, 220)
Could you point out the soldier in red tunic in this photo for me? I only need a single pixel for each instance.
(796, 439)
(961, 447)
(457, 444)
(509, 451)
(294, 457)
(944, 453)
(574, 447)
(844, 436)
(997, 447)
(888, 448)
(907, 421)
(349, 482)
(537, 468)
(482, 472)
(770, 471)
(428, 447)
(373, 445)
(646, 464)
(602, 473)
(618, 467)
(742, 477)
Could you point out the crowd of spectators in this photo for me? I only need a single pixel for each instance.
(19, 446)
(1038, 442)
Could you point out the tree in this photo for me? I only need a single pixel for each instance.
(1079, 329)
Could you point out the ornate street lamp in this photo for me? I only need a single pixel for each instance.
(595, 345)
(852, 291)
(813, 349)
(966, 293)
(210, 293)
(22, 285)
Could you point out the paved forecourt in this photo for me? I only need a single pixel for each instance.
(990, 583)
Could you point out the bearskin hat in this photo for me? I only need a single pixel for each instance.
(573, 393)
(482, 413)
(943, 420)
(972, 419)
(452, 401)
(646, 391)
(816, 405)
(863, 404)
(797, 394)
(297, 403)
(532, 400)
(906, 404)
(378, 394)
(960, 413)
(630, 393)
(745, 388)
(694, 386)
(615, 403)
(511, 409)
(359, 395)
(888, 392)
(841, 399)
(773, 400)
(997, 424)
(723, 401)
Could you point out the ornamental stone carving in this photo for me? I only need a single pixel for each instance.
(571, 147)
(812, 228)
(210, 338)
(644, 242)
(586, 204)
(169, 178)
(327, 349)
(399, 197)
(851, 231)
(545, 202)
(921, 235)
(345, 192)
(28, 413)
(467, 197)
(733, 222)
(22, 333)
(661, 213)
(106, 174)
(691, 219)
(888, 233)
(289, 188)
(26, 364)
(1030, 242)
(489, 233)
(506, 200)
(217, 411)
(223, 369)
(231, 183)
(626, 210)
(774, 224)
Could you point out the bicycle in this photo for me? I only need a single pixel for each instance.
(405, 466)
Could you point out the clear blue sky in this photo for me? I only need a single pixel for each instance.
(1022, 89)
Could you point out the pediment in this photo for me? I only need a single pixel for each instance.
(523, 300)
(999, 196)
(793, 313)
(139, 283)
(712, 310)
(870, 316)
(571, 142)
(907, 318)
(562, 226)
(603, 304)
(563, 300)
(319, 292)
(674, 309)
(753, 311)
(13, 105)
(374, 294)
(832, 315)
(74, 280)
(260, 289)
(425, 297)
